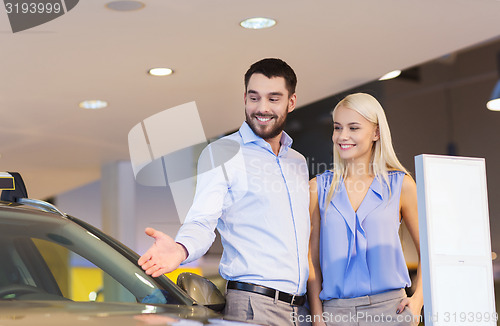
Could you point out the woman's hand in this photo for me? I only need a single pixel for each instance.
(318, 323)
(415, 307)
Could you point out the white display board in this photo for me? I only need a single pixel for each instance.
(455, 244)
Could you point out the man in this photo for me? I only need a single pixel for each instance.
(259, 201)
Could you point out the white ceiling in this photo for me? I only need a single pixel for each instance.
(95, 53)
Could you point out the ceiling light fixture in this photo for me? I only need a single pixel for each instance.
(494, 102)
(93, 104)
(258, 23)
(160, 71)
(125, 5)
(390, 75)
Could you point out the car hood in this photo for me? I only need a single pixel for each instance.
(55, 313)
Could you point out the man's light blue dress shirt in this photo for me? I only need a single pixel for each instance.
(260, 205)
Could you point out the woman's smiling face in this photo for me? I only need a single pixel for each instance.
(353, 135)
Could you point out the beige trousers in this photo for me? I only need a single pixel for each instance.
(379, 309)
(259, 309)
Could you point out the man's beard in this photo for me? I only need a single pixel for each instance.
(278, 127)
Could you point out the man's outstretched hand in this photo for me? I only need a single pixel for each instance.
(164, 256)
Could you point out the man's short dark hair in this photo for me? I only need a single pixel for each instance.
(272, 67)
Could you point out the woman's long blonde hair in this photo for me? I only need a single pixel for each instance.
(383, 158)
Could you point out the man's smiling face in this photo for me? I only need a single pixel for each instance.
(267, 104)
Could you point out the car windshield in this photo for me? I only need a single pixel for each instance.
(45, 257)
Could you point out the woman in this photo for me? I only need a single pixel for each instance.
(357, 268)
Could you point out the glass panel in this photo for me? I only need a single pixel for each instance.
(79, 279)
(43, 257)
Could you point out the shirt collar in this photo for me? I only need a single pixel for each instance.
(376, 186)
(248, 136)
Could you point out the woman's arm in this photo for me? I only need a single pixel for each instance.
(409, 212)
(315, 278)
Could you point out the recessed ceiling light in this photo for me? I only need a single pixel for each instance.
(494, 102)
(258, 23)
(93, 104)
(390, 75)
(494, 105)
(160, 71)
(125, 5)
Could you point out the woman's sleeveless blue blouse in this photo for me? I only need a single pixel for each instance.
(360, 252)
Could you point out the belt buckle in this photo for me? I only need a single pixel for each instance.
(293, 300)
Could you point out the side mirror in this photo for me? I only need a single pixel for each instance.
(201, 290)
